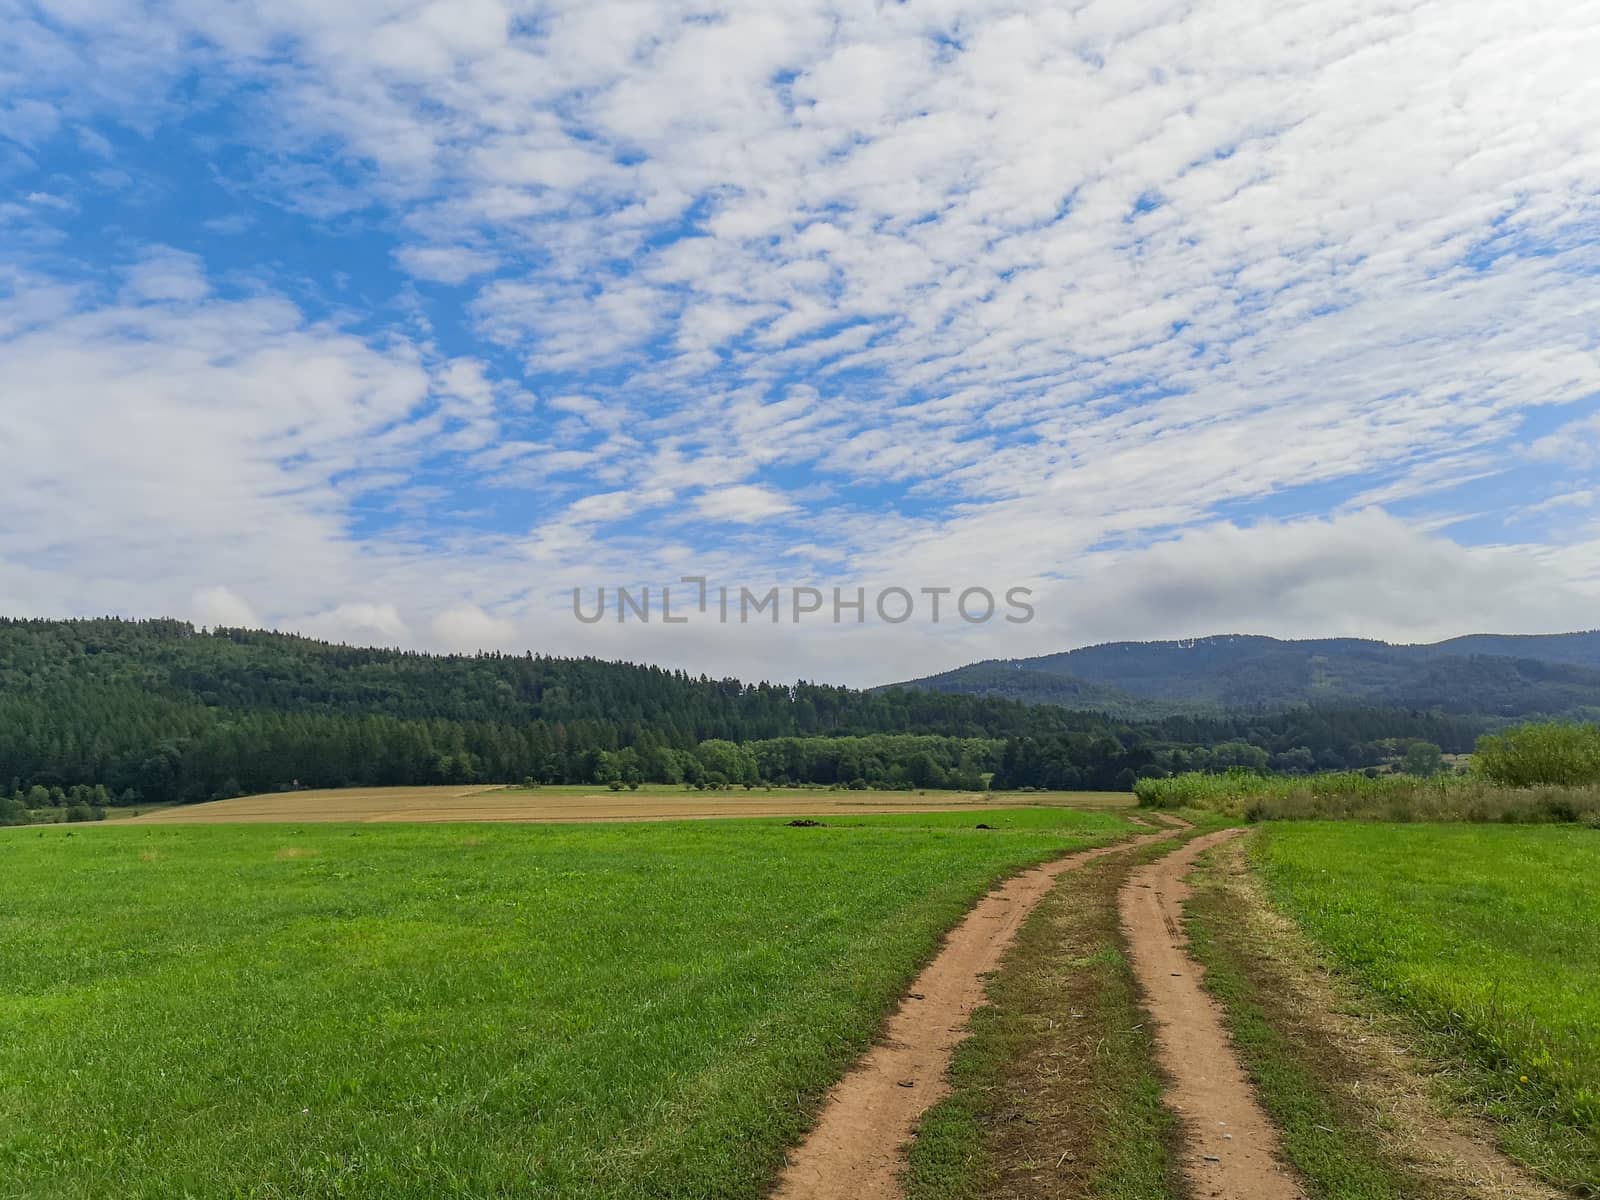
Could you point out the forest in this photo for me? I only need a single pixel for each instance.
(116, 712)
(1496, 677)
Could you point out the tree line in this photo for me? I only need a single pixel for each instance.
(110, 711)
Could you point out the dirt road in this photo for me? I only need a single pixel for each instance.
(1232, 1149)
(854, 1152)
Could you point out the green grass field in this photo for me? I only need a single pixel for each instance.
(1486, 934)
(488, 1010)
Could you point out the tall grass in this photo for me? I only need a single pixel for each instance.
(1546, 772)
(1351, 795)
(1229, 791)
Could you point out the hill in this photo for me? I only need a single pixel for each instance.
(1482, 674)
(114, 711)
(172, 712)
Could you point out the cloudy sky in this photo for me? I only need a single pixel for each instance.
(393, 322)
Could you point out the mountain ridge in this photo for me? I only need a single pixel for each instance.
(1501, 675)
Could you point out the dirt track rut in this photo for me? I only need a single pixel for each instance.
(855, 1150)
(1232, 1149)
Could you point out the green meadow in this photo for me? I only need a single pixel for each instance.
(630, 1010)
(1487, 936)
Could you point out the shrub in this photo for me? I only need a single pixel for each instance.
(1551, 753)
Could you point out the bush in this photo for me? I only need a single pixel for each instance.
(1552, 753)
(1423, 759)
(85, 812)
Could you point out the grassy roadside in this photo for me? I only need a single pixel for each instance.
(1481, 940)
(1352, 795)
(1056, 1092)
(1300, 1072)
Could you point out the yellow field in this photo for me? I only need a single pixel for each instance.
(457, 803)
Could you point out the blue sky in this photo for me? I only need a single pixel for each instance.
(395, 322)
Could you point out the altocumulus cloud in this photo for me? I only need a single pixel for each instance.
(744, 504)
(1191, 317)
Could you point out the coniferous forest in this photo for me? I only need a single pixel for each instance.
(116, 712)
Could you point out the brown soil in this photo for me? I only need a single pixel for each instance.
(1231, 1149)
(854, 1152)
(551, 805)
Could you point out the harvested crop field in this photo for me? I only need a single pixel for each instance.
(554, 804)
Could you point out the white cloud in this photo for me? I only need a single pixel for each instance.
(95, 142)
(51, 200)
(157, 447)
(1576, 442)
(1022, 289)
(1583, 498)
(218, 605)
(231, 225)
(810, 550)
(466, 628)
(163, 273)
(1363, 575)
(444, 264)
(360, 623)
(744, 504)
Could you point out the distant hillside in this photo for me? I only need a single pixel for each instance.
(130, 712)
(1006, 679)
(1481, 674)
